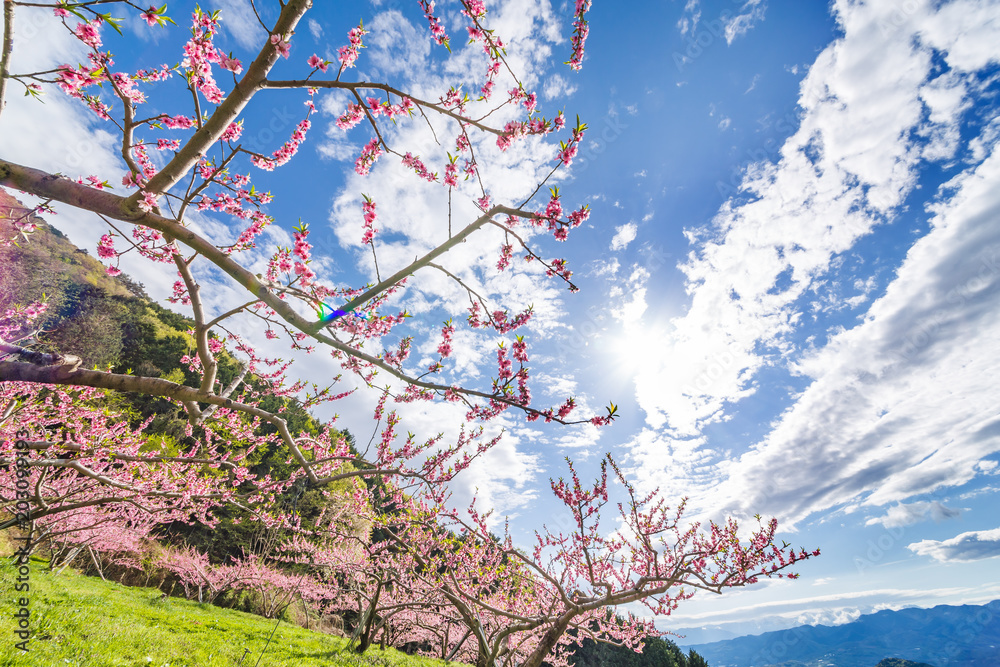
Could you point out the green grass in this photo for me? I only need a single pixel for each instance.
(84, 621)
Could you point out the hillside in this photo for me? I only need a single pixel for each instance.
(79, 620)
(943, 636)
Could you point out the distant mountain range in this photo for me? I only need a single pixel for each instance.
(943, 636)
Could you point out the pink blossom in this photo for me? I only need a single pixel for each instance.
(437, 30)
(88, 34)
(317, 62)
(368, 210)
(148, 201)
(580, 32)
(231, 64)
(351, 117)
(369, 155)
(151, 16)
(177, 122)
(232, 132)
(106, 247)
(280, 45)
(348, 55)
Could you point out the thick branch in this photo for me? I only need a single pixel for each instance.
(8, 45)
(227, 112)
(64, 375)
(49, 186)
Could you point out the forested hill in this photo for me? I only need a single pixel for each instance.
(110, 322)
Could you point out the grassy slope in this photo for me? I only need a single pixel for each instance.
(84, 621)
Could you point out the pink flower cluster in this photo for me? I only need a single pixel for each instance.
(287, 150)
(88, 33)
(168, 144)
(506, 253)
(106, 247)
(200, 53)
(233, 132)
(453, 99)
(154, 16)
(529, 100)
(301, 250)
(148, 201)
(568, 150)
(414, 163)
(126, 85)
(281, 45)
(492, 46)
(94, 182)
(368, 209)
(177, 122)
(437, 30)
(451, 174)
(447, 331)
(230, 63)
(498, 320)
(369, 155)
(318, 63)
(580, 31)
(348, 55)
(550, 218)
(258, 222)
(379, 108)
(351, 117)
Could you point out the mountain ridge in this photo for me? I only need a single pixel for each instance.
(942, 636)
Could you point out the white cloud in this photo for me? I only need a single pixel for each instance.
(240, 21)
(315, 29)
(875, 425)
(624, 234)
(850, 163)
(904, 514)
(750, 14)
(973, 545)
(689, 20)
(558, 87)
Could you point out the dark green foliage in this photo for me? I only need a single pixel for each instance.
(900, 662)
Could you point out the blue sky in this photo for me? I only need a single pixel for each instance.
(789, 279)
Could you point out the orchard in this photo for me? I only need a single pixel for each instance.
(388, 544)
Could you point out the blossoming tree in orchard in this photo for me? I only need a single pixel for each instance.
(202, 174)
(187, 160)
(524, 608)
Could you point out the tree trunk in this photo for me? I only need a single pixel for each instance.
(548, 642)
